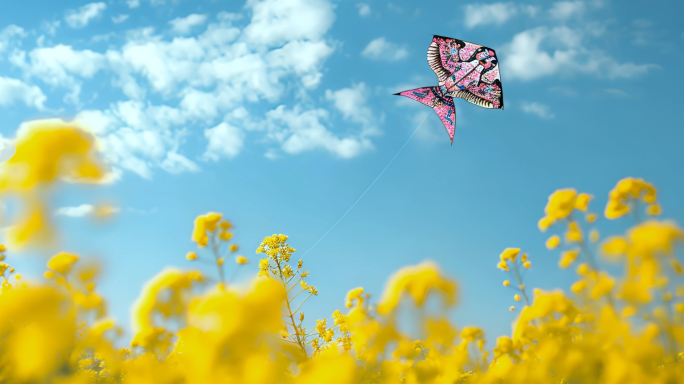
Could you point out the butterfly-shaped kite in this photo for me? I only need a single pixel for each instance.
(465, 70)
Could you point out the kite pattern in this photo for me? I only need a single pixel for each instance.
(464, 70)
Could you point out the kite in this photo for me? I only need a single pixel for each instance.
(465, 70)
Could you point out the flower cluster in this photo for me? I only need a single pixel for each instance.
(210, 230)
(189, 329)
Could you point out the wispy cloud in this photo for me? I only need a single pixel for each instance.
(538, 109)
(79, 18)
(183, 25)
(495, 13)
(119, 19)
(565, 51)
(381, 49)
(364, 9)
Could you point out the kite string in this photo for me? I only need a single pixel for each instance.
(369, 187)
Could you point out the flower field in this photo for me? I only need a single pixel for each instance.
(192, 328)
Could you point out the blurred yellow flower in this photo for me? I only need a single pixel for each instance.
(203, 224)
(567, 258)
(553, 242)
(509, 254)
(62, 262)
(654, 210)
(241, 260)
(582, 201)
(191, 256)
(417, 281)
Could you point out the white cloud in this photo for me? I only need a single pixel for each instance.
(133, 3)
(225, 141)
(7, 150)
(79, 18)
(176, 163)
(364, 9)
(381, 49)
(12, 90)
(353, 103)
(566, 9)
(78, 211)
(183, 25)
(215, 72)
(487, 14)
(275, 22)
(85, 210)
(538, 109)
(50, 27)
(120, 18)
(528, 57)
(300, 130)
(8, 33)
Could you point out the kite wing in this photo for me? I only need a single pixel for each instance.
(443, 106)
(467, 71)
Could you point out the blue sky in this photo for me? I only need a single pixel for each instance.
(280, 113)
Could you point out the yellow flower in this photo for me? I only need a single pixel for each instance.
(553, 242)
(560, 204)
(191, 256)
(203, 224)
(506, 283)
(219, 261)
(653, 210)
(624, 190)
(567, 258)
(603, 287)
(502, 265)
(417, 281)
(523, 258)
(573, 234)
(516, 297)
(509, 254)
(582, 201)
(2, 248)
(544, 223)
(527, 264)
(241, 260)
(578, 286)
(677, 267)
(582, 269)
(512, 308)
(62, 262)
(590, 218)
(17, 276)
(233, 247)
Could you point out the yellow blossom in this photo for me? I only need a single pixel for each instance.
(567, 258)
(233, 247)
(516, 297)
(560, 204)
(417, 281)
(506, 283)
(191, 256)
(582, 201)
(62, 262)
(653, 210)
(527, 264)
(552, 242)
(591, 217)
(241, 260)
(509, 254)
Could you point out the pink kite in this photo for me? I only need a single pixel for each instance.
(465, 70)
